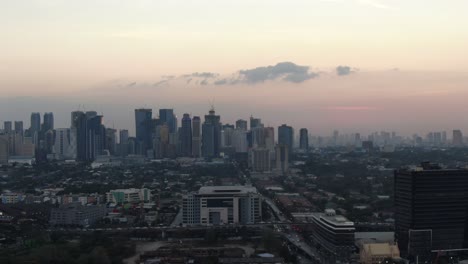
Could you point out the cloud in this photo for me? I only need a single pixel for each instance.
(131, 84)
(287, 71)
(343, 70)
(161, 83)
(204, 75)
(221, 81)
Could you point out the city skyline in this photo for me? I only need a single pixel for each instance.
(131, 129)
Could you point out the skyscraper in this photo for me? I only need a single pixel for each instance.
(143, 130)
(282, 157)
(241, 124)
(186, 136)
(62, 144)
(48, 122)
(19, 127)
(78, 134)
(87, 135)
(255, 122)
(259, 159)
(4, 149)
(167, 116)
(196, 136)
(211, 135)
(304, 139)
(457, 138)
(123, 142)
(7, 127)
(111, 140)
(35, 127)
(431, 210)
(95, 137)
(286, 137)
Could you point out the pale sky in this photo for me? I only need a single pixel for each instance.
(114, 53)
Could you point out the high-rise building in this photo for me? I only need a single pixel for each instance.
(4, 149)
(226, 135)
(123, 142)
(286, 136)
(335, 236)
(259, 159)
(19, 128)
(143, 121)
(211, 135)
(167, 116)
(282, 158)
(241, 124)
(304, 139)
(196, 136)
(7, 127)
(87, 135)
(258, 136)
(35, 127)
(95, 137)
(48, 122)
(215, 205)
(111, 140)
(457, 138)
(49, 138)
(186, 136)
(255, 122)
(431, 210)
(239, 140)
(62, 144)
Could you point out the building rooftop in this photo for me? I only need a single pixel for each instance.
(336, 220)
(206, 190)
(381, 249)
(130, 190)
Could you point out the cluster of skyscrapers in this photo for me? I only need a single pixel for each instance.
(160, 136)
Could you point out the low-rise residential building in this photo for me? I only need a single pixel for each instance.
(12, 198)
(376, 253)
(131, 195)
(76, 214)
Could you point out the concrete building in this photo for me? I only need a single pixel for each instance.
(457, 138)
(222, 205)
(335, 235)
(76, 214)
(211, 135)
(241, 124)
(282, 158)
(259, 159)
(131, 195)
(7, 127)
(196, 136)
(62, 149)
(376, 253)
(12, 198)
(286, 137)
(239, 140)
(186, 136)
(304, 139)
(143, 130)
(431, 210)
(4, 149)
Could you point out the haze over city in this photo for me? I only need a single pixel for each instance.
(355, 66)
